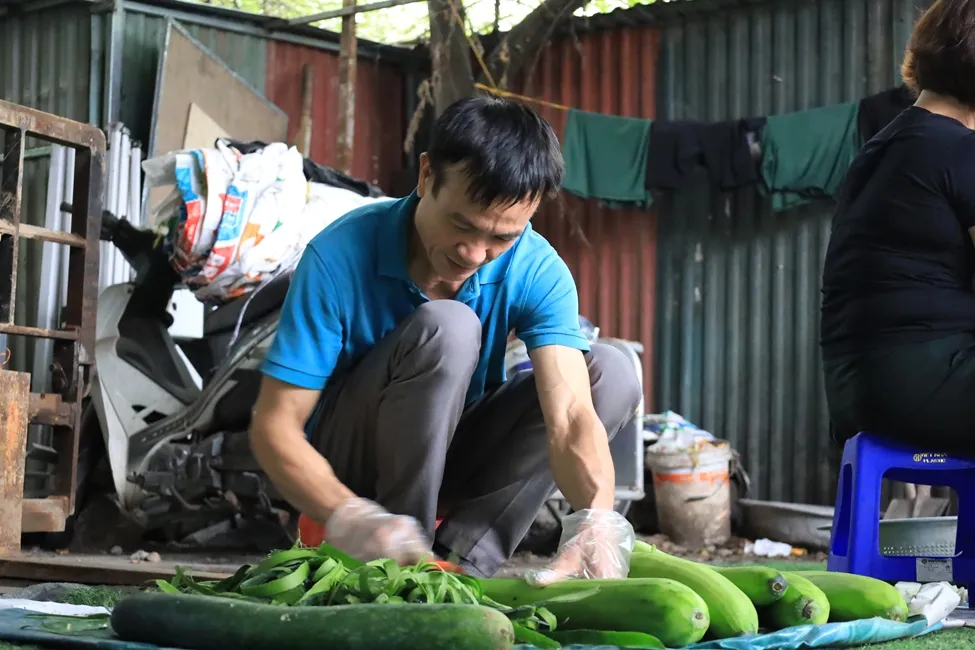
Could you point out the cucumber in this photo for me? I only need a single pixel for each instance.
(853, 597)
(762, 585)
(196, 622)
(604, 638)
(732, 613)
(803, 604)
(666, 609)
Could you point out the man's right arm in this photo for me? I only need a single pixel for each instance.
(294, 466)
(298, 365)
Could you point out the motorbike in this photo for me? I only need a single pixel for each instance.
(164, 426)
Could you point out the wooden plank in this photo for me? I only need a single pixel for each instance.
(48, 515)
(98, 570)
(38, 233)
(14, 417)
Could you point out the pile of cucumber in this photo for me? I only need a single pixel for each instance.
(320, 599)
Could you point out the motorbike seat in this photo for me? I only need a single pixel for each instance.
(266, 300)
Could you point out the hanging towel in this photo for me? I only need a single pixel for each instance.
(877, 111)
(676, 148)
(606, 157)
(805, 155)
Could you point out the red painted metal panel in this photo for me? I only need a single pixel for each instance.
(379, 112)
(612, 253)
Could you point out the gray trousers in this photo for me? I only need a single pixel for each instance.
(395, 429)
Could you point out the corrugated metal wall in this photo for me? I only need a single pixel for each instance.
(738, 289)
(143, 33)
(44, 64)
(380, 120)
(614, 259)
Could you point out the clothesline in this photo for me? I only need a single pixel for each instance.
(790, 157)
(505, 93)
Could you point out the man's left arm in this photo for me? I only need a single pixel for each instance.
(596, 541)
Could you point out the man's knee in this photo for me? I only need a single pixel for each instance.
(616, 389)
(451, 327)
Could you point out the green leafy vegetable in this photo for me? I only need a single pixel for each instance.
(324, 576)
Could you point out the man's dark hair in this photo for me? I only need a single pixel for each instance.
(941, 54)
(507, 151)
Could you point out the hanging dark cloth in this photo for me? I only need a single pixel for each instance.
(727, 154)
(316, 173)
(877, 111)
(676, 148)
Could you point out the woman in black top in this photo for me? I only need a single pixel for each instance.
(898, 311)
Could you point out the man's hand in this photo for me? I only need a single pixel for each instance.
(366, 531)
(594, 544)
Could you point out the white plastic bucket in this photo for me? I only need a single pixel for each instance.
(692, 493)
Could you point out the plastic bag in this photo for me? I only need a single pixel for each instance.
(367, 531)
(236, 221)
(594, 544)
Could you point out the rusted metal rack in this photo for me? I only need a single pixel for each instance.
(73, 343)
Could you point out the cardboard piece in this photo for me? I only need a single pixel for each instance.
(201, 129)
(198, 95)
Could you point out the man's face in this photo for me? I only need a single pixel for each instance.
(459, 236)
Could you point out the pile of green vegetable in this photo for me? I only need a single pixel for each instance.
(319, 598)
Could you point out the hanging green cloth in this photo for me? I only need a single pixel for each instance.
(806, 154)
(606, 157)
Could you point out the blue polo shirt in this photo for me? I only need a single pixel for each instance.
(351, 288)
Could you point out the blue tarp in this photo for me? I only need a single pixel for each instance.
(21, 626)
(831, 635)
(25, 627)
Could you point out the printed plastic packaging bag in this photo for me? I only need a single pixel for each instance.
(235, 221)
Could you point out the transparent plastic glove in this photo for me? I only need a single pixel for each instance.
(367, 531)
(594, 544)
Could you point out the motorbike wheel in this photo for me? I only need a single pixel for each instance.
(543, 536)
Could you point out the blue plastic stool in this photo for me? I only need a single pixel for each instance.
(855, 539)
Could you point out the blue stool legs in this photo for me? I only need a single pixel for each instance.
(855, 539)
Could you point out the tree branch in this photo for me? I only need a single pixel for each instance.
(450, 54)
(525, 41)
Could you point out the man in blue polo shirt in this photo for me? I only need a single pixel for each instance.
(384, 404)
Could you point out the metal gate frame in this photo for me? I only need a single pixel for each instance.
(74, 342)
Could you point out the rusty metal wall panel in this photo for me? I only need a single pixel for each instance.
(246, 55)
(44, 64)
(611, 252)
(380, 122)
(738, 291)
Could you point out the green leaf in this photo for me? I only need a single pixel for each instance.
(531, 637)
(260, 586)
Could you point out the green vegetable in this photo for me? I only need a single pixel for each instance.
(305, 577)
(732, 613)
(530, 637)
(762, 585)
(854, 597)
(665, 609)
(197, 622)
(803, 604)
(604, 638)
